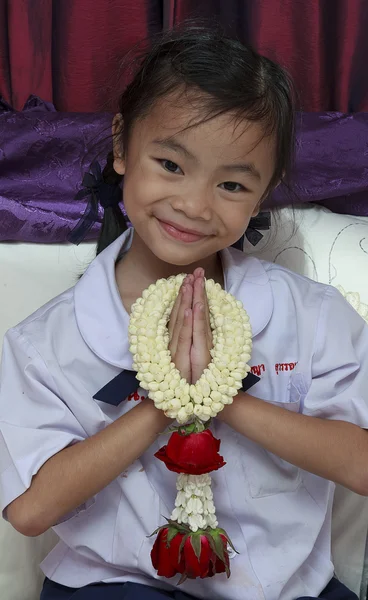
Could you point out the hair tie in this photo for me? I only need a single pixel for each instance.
(98, 193)
(261, 222)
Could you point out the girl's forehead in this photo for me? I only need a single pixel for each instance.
(195, 125)
(190, 124)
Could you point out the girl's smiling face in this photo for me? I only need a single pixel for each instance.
(190, 191)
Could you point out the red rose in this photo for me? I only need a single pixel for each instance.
(195, 557)
(193, 454)
(208, 563)
(165, 555)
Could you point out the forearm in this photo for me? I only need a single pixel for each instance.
(78, 472)
(335, 450)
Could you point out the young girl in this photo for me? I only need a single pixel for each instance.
(204, 134)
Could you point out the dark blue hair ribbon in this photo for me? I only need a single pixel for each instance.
(262, 222)
(97, 192)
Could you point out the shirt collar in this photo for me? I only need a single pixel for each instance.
(103, 321)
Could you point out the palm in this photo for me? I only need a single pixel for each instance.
(189, 328)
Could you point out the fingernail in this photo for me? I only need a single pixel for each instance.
(202, 283)
(201, 307)
(183, 289)
(187, 312)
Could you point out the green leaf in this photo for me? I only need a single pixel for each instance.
(219, 547)
(183, 578)
(195, 540)
(210, 541)
(182, 545)
(172, 532)
(156, 531)
(223, 532)
(199, 426)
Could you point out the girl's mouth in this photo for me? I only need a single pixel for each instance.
(182, 235)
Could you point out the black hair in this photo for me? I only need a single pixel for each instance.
(225, 76)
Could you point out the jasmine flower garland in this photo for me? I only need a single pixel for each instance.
(149, 345)
(199, 547)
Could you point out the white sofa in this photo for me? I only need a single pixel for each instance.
(327, 247)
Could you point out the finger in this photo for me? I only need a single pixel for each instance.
(182, 357)
(199, 329)
(200, 297)
(174, 313)
(175, 308)
(199, 354)
(198, 290)
(185, 303)
(199, 272)
(207, 316)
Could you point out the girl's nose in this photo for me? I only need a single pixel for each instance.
(195, 206)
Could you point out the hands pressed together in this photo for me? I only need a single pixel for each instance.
(189, 328)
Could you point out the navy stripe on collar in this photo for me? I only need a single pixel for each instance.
(126, 383)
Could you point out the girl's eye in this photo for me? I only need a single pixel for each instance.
(170, 166)
(232, 186)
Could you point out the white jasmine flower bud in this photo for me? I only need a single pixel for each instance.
(182, 416)
(169, 395)
(198, 410)
(174, 404)
(194, 505)
(163, 386)
(223, 389)
(237, 376)
(189, 408)
(197, 399)
(176, 514)
(185, 400)
(152, 386)
(212, 521)
(180, 499)
(217, 407)
(205, 388)
(227, 399)
(216, 396)
(171, 414)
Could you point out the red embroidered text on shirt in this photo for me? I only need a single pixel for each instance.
(285, 366)
(256, 369)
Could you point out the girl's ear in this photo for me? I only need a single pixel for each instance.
(119, 159)
(256, 209)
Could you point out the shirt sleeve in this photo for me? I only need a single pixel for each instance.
(35, 423)
(339, 386)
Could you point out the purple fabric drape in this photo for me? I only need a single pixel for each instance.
(44, 154)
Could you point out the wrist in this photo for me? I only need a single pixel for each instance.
(155, 415)
(229, 411)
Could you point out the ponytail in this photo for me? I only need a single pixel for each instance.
(113, 222)
(103, 189)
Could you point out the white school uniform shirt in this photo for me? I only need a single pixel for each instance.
(311, 353)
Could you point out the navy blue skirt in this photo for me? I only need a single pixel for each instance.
(134, 591)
